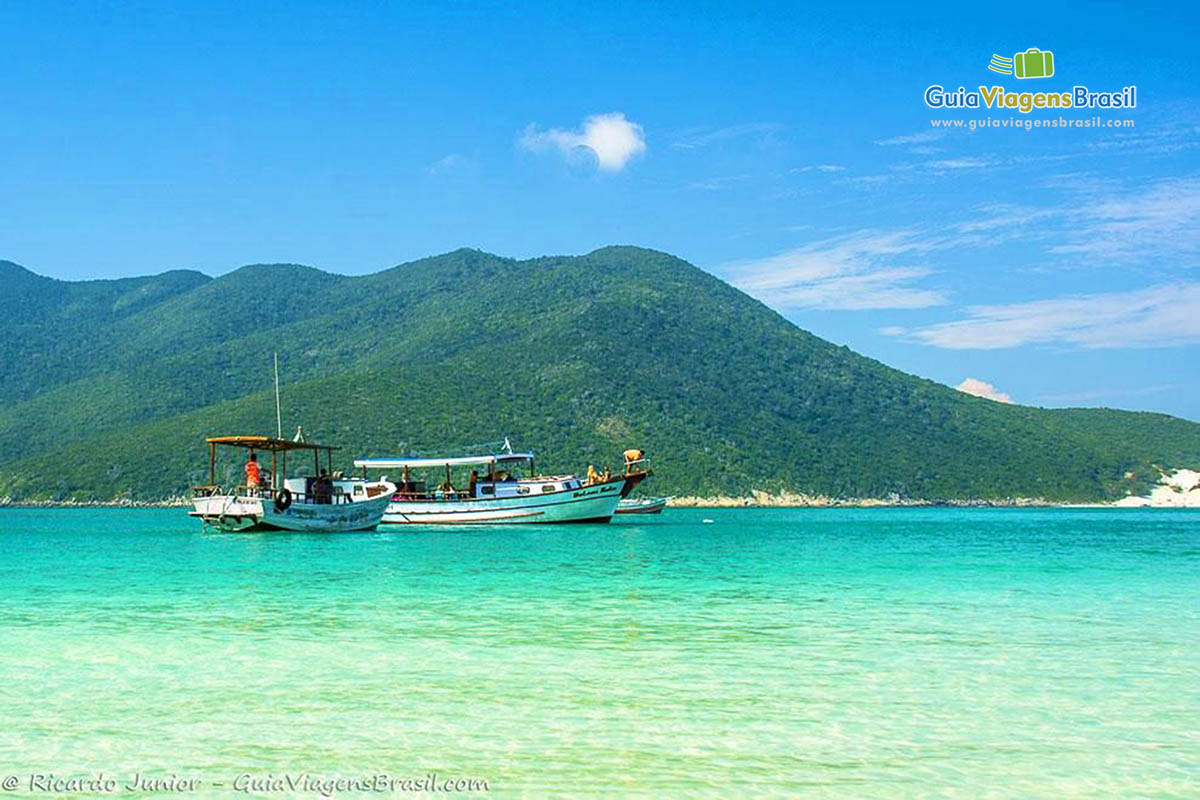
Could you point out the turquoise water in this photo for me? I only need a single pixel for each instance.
(838, 653)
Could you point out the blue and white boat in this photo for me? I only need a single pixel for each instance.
(310, 504)
(501, 487)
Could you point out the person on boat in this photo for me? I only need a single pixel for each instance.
(323, 489)
(253, 473)
(632, 456)
(592, 475)
(471, 481)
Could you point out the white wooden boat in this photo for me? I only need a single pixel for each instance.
(493, 493)
(642, 505)
(305, 503)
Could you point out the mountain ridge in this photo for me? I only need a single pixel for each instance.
(576, 356)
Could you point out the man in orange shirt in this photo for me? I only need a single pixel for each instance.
(253, 474)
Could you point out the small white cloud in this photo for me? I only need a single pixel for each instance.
(820, 168)
(869, 181)
(715, 184)
(979, 388)
(703, 137)
(612, 139)
(445, 164)
(912, 138)
(958, 163)
(1158, 316)
(862, 270)
(1016, 220)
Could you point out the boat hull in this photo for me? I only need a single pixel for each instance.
(595, 503)
(244, 514)
(637, 507)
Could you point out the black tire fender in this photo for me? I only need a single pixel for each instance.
(283, 500)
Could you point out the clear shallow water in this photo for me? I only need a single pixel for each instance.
(847, 653)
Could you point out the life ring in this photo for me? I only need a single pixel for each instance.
(283, 500)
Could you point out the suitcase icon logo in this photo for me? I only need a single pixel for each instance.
(1033, 63)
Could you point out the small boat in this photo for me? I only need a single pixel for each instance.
(323, 502)
(499, 494)
(642, 505)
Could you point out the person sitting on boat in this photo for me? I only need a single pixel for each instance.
(253, 473)
(323, 489)
(592, 475)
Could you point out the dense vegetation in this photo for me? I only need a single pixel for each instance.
(108, 387)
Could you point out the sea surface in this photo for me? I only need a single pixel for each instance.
(769, 652)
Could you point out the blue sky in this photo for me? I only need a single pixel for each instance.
(785, 149)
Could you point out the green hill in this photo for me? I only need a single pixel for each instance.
(109, 387)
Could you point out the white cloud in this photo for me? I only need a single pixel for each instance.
(979, 388)
(1157, 316)
(612, 139)
(447, 163)
(857, 271)
(1096, 224)
(869, 181)
(958, 163)
(702, 137)
(1162, 139)
(873, 269)
(1015, 218)
(913, 138)
(1163, 219)
(820, 168)
(714, 184)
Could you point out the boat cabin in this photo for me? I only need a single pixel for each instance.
(484, 477)
(273, 481)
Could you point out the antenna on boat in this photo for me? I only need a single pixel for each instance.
(278, 411)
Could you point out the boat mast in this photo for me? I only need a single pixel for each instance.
(278, 411)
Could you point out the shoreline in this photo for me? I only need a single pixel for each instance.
(701, 502)
(1178, 489)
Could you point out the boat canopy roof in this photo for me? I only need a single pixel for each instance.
(269, 443)
(459, 461)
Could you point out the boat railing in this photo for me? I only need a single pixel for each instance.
(630, 465)
(435, 496)
(267, 493)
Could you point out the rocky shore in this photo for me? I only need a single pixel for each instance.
(70, 502)
(793, 500)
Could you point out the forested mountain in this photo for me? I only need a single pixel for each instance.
(109, 387)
